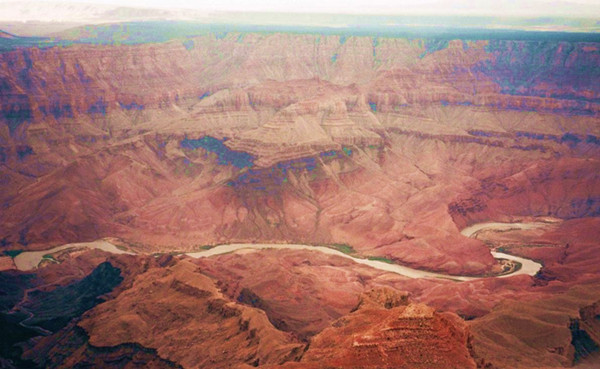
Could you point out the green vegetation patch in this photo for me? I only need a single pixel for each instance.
(342, 247)
(12, 253)
(381, 258)
(49, 257)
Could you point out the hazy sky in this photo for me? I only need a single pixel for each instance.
(377, 6)
(589, 8)
(374, 6)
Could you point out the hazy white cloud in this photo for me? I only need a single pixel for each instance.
(588, 8)
(492, 7)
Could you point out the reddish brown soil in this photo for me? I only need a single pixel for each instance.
(388, 332)
(388, 148)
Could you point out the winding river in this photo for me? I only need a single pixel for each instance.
(30, 260)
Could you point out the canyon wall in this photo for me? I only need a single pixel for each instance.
(389, 145)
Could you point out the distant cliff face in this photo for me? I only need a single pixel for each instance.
(562, 70)
(387, 144)
(61, 82)
(384, 147)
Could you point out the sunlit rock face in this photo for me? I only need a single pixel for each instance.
(376, 142)
(382, 147)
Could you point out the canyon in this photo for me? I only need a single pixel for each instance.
(434, 155)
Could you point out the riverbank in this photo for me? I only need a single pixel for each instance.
(30, 260)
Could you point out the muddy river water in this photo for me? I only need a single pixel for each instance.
(29, 260)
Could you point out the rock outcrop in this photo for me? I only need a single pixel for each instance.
(388, 332)
(385, 147)
(181, 307)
